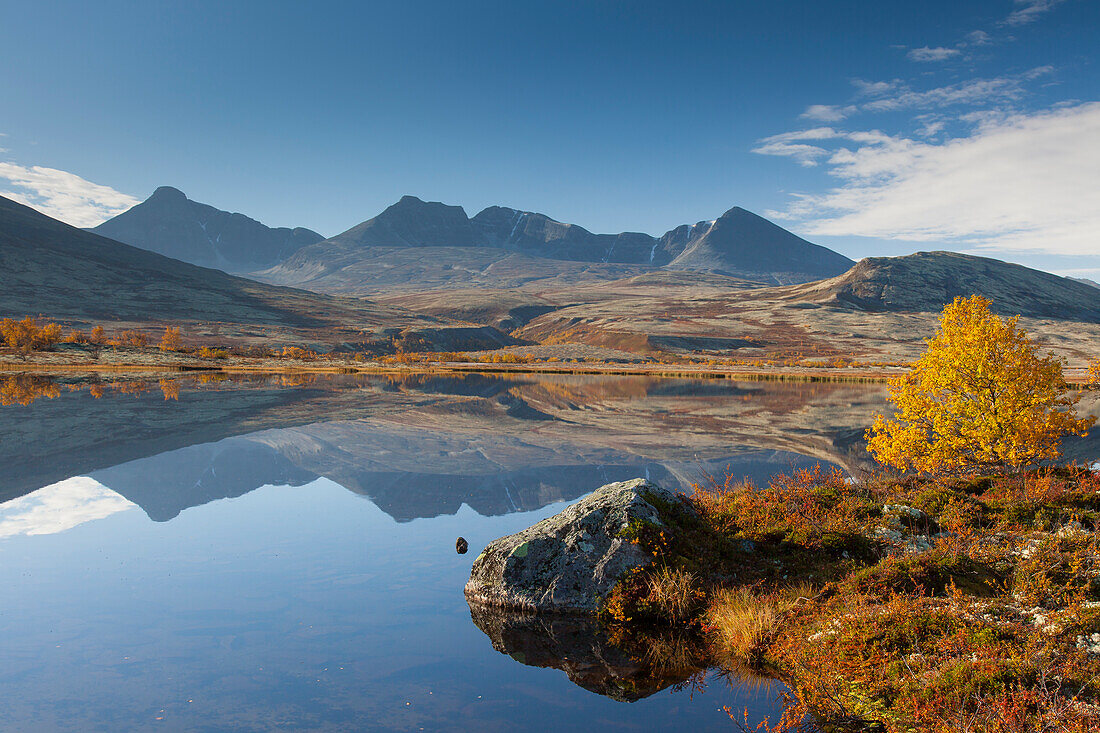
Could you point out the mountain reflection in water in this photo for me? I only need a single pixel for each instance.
(296, 603)
(422, 445)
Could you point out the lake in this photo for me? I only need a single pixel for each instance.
(277, 552)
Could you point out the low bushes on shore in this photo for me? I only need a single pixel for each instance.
(892, 603)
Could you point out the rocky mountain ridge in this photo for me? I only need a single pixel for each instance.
(738, 243)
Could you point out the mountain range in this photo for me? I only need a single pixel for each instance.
(436, 279)
(738, 243)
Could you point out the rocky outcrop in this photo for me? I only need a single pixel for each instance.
(569, 562)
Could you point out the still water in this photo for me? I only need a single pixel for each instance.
(270, 553)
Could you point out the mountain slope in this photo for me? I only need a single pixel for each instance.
(925, 281)
(171, 224)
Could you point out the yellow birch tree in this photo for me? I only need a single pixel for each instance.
(979, 398)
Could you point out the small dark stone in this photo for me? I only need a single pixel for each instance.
(461, 545)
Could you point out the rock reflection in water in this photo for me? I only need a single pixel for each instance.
(621, 669)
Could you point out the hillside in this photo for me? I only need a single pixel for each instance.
(879, 311)
(67, 273)
(925, 281)
(171, 224)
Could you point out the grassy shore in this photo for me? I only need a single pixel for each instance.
(559, 359)
(892, 604)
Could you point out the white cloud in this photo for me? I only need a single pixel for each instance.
(979, 38)
(1017, 183)
(974, 91)
(828, 112)
(932, 54)
(59, 507)
(63, 195)
(794, 145)
(1029, 11)
(874, 88)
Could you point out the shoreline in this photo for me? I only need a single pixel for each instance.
(661, 371)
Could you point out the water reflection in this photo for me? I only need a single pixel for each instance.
(626, 670)
(419, 445)
(301, 571)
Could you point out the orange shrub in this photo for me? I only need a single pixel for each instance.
(297, 352)
(133, 338)
(170, 341)
(27, 336)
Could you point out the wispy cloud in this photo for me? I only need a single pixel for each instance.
(939, 53)
(794, 145)
(978, 38)
(63, 195)
(895, 96)
(1017, 183)
(828, 112)
(1029, 10)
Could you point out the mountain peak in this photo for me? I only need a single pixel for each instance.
(737, 211)
(171, 224)
(167, 193)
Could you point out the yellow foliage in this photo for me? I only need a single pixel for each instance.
(136, 339)
(26, 335)
(1094, 372)
(980, 397)
(297, 352)
(170, 341)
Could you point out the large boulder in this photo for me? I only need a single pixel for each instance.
(571, 561)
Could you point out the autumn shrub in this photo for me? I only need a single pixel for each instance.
(1059, 570)
(814, 508)
(98, 336)
(135, 339)
(76, 336)
(26, 335)
(297, 352)
(170, 340)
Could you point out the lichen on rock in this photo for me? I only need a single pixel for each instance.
(569, 562)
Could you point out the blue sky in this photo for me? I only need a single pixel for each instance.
(870, 127)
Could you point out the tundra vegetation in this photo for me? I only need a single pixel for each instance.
(956, 589)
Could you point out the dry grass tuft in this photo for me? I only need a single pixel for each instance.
(673, 593)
